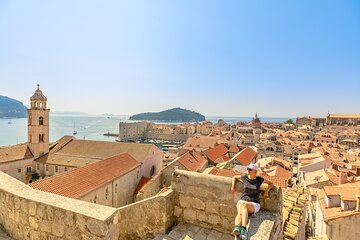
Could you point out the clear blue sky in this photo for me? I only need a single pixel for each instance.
(230, 58)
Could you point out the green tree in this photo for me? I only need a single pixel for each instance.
(34, 176)
(290, 121)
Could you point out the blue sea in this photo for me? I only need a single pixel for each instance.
(14, 131)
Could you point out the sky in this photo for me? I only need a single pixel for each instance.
(219, 58)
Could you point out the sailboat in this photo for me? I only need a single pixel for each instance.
(75, 132)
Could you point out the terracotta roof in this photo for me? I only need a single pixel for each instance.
(81, 181)
(279, 172)
(203, 142)
(142, 183)
(280, 182)
(192, 161)
(216, 152)
(246, 156)
(223, 172)
(77, 153)
(16, 152)
(233, 149)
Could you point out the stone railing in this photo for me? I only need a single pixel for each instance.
(26, 213)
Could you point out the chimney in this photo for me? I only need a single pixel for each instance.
(358, 202)
(342, 178)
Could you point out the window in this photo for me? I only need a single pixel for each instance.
(28, 169)
(95, 199)
(152, 172)
(137, 174)
(116, 188)
(56, 169)
(38, 166)
(106, 194)
(41, 137)
(47, 167)
(66, 169)
(19, 170)
(41, 121)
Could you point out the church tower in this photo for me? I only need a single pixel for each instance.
(38, 124)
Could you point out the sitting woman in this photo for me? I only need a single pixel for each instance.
(249, 202)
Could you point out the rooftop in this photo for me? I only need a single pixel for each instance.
(80, 181)
(16, 152)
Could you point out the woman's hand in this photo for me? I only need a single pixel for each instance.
(233, 188)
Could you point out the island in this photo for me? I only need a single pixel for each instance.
(12, 108)
(171, 115)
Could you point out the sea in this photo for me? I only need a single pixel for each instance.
(91, 127)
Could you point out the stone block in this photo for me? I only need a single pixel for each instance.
(33, 222)
(189, 215)
(97, 228)
(212, 207)
(58, 229)
(178, 211)
(45, 226)
(32, 208)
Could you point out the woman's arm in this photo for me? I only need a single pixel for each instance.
(233, 184)
(270, 185)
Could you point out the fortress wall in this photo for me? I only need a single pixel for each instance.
(26, 213)
(147, 218)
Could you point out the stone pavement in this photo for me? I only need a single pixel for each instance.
(185, 231)
(3, 234)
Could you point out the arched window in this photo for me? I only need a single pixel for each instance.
(152, 172)
(41, 121)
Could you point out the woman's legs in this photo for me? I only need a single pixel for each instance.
(247, 208)
(238, 219)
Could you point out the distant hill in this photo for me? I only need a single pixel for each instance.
(171, 115)
(11, 108)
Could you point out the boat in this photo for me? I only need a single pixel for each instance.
(75, 132)
(9, 122)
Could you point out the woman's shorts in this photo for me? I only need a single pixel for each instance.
(256, 205)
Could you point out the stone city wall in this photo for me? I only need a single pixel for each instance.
(147, 218)
(26, 213)
(196, 198)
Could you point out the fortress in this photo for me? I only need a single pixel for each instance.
(193, 198)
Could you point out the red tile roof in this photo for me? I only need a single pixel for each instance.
(233, 149)
(192, 161)
(216, 152)
(246, 156)
(80, 181)
(142, 183)
(223, 172)
(16, 152)
(280, 182)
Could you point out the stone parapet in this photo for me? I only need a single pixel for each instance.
(207, 201)
(26, 213)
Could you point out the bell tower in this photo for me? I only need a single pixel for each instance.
(38, 124)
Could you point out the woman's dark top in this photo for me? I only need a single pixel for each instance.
(251, 189)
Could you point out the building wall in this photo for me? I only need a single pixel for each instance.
(153, 160)
(169, 170)
(132, 131)
(18, 169)
(117, 193)
(151, 188)
(344, 228)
